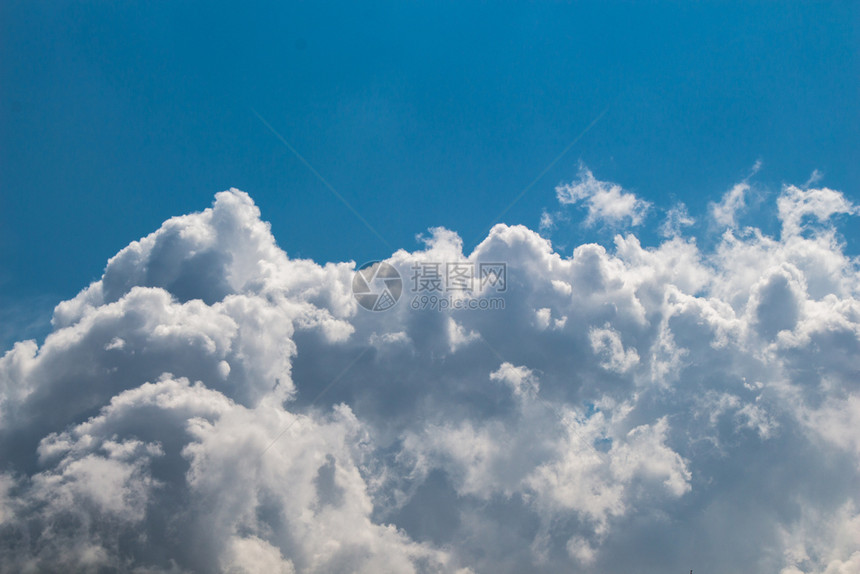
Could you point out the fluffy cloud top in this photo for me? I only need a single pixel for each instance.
(212, 405)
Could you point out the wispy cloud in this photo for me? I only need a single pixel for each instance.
(605, 201)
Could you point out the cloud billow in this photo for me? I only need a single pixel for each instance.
(212, 405)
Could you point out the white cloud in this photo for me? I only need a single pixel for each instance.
(606, 342)
(457, 335)
(725, 212)
(520, 379)
(795, 204)
(212, 405)
(605, 201)
(677, 218)
(547, 221)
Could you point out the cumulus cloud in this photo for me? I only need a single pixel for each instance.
(212, 405)
(605, 201)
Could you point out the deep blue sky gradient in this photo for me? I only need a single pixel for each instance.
(116, 116)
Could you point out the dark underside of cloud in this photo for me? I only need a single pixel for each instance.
(212, 405)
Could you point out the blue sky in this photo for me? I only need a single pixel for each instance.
(117, 115)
